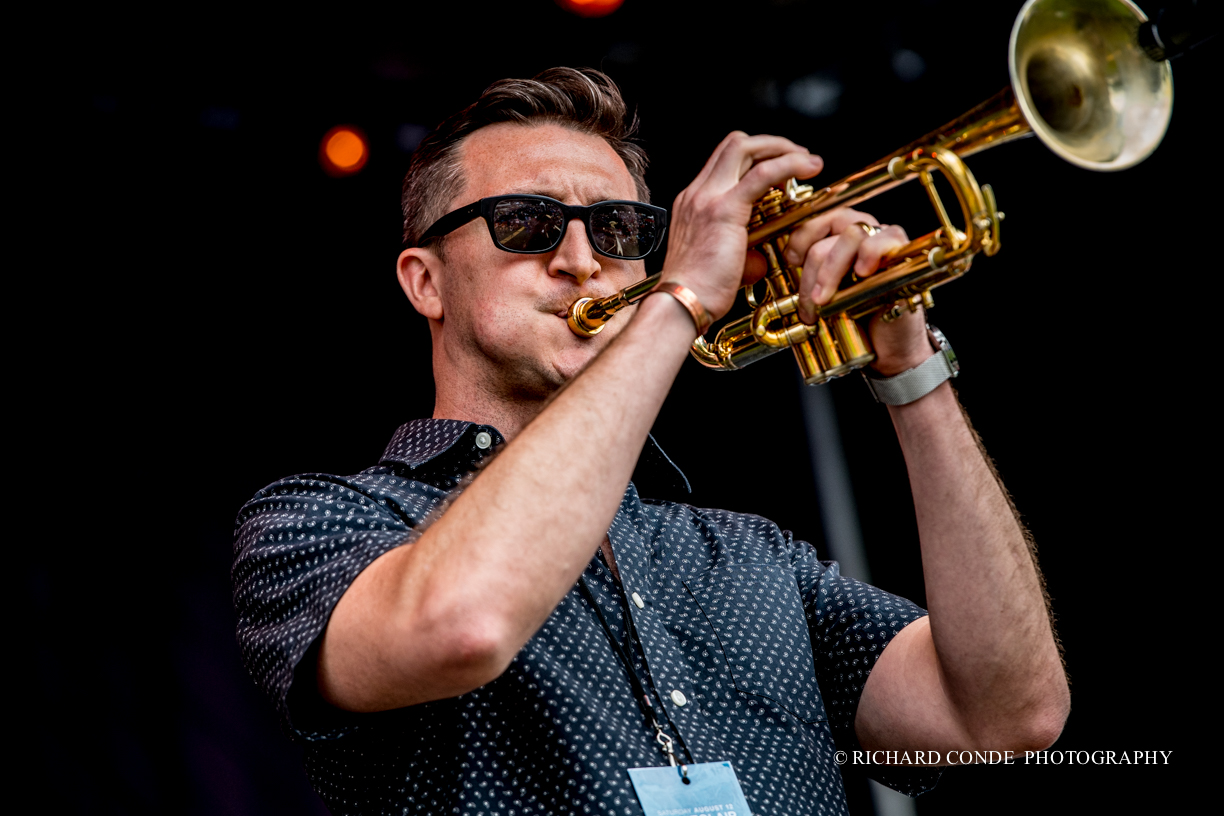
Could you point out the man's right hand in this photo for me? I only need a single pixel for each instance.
(708, 243)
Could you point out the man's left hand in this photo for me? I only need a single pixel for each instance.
(828, 247)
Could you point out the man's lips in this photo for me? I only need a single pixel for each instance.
(561, 308)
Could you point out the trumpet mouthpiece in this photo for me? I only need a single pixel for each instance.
(578, 321)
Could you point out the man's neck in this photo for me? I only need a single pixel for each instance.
(508, 419)
(472, 400)
(468, 397)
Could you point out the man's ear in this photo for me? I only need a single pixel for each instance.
(416, 272)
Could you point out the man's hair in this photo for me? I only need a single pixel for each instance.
(585, 100)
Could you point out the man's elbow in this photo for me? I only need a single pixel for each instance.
(455, 661)
(467, 647)
(1039, 725)
(1046, 724)
(477, 653)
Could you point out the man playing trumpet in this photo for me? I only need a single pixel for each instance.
(451, 631)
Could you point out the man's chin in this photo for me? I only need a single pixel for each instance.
(569, 367)
(575, 353)
(543, 379)
(562, 357)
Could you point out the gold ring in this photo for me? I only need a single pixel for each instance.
(870, 229)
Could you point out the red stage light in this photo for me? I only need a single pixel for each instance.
(590, 8)
(343, 151)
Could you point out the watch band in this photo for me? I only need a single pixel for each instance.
(921, 380)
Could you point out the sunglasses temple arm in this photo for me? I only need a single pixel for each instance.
(587, 316)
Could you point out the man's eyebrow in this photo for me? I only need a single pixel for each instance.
(602, 196)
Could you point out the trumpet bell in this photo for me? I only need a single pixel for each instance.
(1085, 86)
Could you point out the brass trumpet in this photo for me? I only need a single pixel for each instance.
(1079, 81)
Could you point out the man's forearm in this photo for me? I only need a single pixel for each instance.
(988, 618)
(447, 613)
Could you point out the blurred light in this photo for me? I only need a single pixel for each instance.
(343, 151)
(814, 95)
(908, 65)
(409, 136)
(590, 8)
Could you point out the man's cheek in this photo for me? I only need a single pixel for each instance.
(492, 306)
(512, 332)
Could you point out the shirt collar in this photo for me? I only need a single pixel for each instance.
(422, 440)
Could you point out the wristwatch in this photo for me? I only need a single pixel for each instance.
(921, 380)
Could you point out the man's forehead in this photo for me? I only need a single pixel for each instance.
(547, 159)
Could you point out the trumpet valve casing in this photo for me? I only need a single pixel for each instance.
(831, 347)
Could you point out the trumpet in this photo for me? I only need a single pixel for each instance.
(1080, 82)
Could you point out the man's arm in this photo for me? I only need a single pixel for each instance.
(448, 613)
(983, 671)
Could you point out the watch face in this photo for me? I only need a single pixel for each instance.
(940, 342)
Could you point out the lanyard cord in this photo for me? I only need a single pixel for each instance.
(639, 691)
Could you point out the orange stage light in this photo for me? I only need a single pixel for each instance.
(343, 151)
(590, 8)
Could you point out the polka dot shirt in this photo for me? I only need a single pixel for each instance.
(751, 649)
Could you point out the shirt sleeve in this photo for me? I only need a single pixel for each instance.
(298, 546)
(850, 623)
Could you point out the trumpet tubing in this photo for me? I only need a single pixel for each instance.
(1080, 82)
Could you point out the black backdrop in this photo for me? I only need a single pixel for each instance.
(202, 270)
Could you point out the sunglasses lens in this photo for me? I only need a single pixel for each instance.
(624, 231)
(527, 225)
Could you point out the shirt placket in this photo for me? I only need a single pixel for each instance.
(666, 668)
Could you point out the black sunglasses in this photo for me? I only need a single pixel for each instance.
(533, 223)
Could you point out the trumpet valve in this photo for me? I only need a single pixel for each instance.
(767, 206)
(855, 349)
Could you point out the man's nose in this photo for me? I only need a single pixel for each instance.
(574, 256)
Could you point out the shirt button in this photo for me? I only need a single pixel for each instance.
(639, 603)
(678, 697)
(483, 440)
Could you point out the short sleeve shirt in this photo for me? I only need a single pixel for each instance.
(750, 648)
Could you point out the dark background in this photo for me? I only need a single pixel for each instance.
(216, 312)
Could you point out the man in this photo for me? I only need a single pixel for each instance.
(517, 640)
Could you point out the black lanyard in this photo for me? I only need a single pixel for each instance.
(639, 691)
